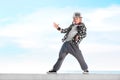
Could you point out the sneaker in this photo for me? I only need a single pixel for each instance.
(85, 71)
(52, 71)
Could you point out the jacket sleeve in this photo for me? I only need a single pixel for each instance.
(66, 29)
(82, 31)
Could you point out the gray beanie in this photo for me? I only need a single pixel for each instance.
(76, 14)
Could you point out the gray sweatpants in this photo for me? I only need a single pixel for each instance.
(72, 48)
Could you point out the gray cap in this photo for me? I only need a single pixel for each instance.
(76, 14)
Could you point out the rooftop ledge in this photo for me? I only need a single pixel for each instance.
(60, 76)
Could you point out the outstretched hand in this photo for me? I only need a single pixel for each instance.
(55, 25)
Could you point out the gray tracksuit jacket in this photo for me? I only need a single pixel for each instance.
(79, 30)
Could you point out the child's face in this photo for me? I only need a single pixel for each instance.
(77, 20)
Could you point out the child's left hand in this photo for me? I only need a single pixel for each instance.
(77, 38)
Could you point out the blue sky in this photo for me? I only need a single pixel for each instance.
(30, 44)
(14, 7)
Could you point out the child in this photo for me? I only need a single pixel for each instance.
(74, 34)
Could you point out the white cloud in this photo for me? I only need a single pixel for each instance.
(4, 19)
(32, 29)
(104, 19)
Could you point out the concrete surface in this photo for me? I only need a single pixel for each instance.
(60, 76)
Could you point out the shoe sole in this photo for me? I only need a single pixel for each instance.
(51, 72)
(85, 72)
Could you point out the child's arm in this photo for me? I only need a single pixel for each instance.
(59, 29)
(82, 32)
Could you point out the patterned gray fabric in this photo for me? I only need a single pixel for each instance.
(73, 49)
(72, 33)
(81, 31)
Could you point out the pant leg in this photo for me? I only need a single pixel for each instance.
(76, 52)
(62, 55)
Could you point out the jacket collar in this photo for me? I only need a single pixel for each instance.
(78, 23)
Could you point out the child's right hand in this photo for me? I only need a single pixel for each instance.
(55, 25)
